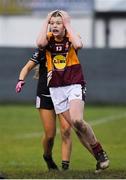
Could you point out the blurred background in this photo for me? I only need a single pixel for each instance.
(102, 27)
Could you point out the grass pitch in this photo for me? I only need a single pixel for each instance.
(21, 150)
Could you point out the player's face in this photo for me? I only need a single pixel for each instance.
(56, 26)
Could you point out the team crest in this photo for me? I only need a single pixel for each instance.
(67, 46)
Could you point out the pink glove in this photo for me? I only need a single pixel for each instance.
(19, 86)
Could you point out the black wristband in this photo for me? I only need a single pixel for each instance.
(20, 80)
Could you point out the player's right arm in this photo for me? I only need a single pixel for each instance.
(42, 39)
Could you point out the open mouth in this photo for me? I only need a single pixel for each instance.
(55, 31)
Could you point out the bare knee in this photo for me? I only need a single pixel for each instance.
(66, 134)
(49, 135)
(80, 126)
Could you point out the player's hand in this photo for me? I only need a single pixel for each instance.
(49, 16)
(19, 86)
(65, 17)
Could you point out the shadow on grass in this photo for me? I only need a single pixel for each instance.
(71, 174)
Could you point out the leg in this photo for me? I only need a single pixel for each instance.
(66, 142)
(48, 119)
(75, 117)
(82, 128)
(85, 132)
(84, 141)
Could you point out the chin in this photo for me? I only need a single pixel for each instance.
(56, 34)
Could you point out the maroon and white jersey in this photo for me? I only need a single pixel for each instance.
(63, 64)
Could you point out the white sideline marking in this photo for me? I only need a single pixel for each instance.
(29, 135)
(107, 119)
(92, 123)
(33, 135)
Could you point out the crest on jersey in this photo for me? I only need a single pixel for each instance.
(35, 55)
(67, 46)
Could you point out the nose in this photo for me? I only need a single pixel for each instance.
(55, 25)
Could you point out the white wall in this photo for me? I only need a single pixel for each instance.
(99, 34)
(18, 31)
(22, 31)
(117, 33)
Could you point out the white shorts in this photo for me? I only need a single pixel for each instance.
(61, 96)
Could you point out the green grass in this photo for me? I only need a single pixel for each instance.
(21, 150)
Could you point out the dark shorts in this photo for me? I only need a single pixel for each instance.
(44, 102)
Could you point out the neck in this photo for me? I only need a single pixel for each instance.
(60, 37)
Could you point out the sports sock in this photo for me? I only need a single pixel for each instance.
(47, 157)
(65, 165)
(96, 148)
(50, 163)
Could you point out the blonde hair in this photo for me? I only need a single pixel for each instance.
(56, 13)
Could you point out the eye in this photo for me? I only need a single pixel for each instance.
(51, 23)
(59, 22)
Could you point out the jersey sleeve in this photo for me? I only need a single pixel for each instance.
(38, 56)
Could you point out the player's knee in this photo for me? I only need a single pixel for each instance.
(66, 132)
(79, 126)
(50, 134)
(49, 137)
(75, 119)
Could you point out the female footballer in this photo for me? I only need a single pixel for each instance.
(46, 110)
(65, 79)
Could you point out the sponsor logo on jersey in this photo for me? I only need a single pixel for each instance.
(59, 61)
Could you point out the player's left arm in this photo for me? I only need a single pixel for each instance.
(74, 38)
(26, 69)
(23, 73)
